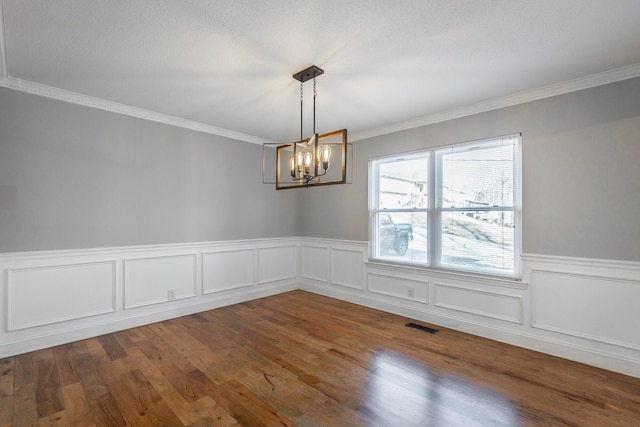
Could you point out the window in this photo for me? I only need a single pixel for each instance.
(454, 207)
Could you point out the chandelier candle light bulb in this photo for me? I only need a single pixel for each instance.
(308, 160)
(299, 161)
(324, 153)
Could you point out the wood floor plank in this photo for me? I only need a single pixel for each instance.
(189, 389)
(58, 419)
(217, 415)
(262, 411)
(25, 410)
(133, 412)
(25, 372)
(303, 359)
(103, 406)
(48, 393)
(7, 375)
(61, 356)
(112, 347)
(154, 372)
(76, 405)
(105, 412)
(142, 389)
(297, 401)
(267, 388)
(162, 415)
(151, 373)
(187, 412)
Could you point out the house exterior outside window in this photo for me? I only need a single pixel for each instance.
(455, 207)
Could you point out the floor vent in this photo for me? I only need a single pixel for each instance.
(422, 328)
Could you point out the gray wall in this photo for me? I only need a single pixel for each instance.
(581, 172)
(77, 177)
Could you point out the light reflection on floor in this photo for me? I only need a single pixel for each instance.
(404, 392)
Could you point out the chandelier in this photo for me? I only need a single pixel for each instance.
(309, 161)
(304, 165)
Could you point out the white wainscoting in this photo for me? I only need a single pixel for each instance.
(587, 304)
(563, 303)
(277, 263)
(347, 266)
(159, 279)
(50, 294)
(493, 305)
(223, 270)
(398, 286)
(580, 309)
(333, 263)
(53, 297)
(314, 262)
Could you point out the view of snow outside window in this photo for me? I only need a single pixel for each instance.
(473, 214)
(478, 178)
(403, 184)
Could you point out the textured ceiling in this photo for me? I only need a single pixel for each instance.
(226, 65)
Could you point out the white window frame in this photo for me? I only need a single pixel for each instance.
(435, 209)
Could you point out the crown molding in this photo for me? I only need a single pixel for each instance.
(101, 104)
(569, 86)
(612, 76)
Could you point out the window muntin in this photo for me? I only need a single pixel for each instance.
(457, 206)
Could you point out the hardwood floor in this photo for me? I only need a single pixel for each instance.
(307, 360)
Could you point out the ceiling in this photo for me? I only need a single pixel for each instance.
(226, 66)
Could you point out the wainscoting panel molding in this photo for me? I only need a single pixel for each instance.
(479, 302)
(277, 263)
(314, 263)
(398, 287)
(347, 267)
(224, 270)
(600, 309)
(43, 295)
(159, 279)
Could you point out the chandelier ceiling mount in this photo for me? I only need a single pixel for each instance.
(308, 74)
